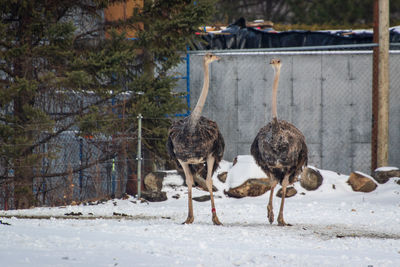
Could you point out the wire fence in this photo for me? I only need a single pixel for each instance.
(75, 168)
(327, 94)
(325, 91)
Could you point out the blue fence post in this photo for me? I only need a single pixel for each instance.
(187, 78)
(80, 163)
(188, 83)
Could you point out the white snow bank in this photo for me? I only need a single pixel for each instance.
(172, 179)
(244, 169)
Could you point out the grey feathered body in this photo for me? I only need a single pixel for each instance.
(279, 148)
(195, 145)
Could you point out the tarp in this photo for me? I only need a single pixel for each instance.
(239, 37)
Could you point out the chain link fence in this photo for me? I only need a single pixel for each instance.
(78, 168)
(327, 94)
(394, 107)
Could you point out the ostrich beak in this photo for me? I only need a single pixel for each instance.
(275, 61)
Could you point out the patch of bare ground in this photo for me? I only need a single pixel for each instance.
(85, 217)
(344, 231)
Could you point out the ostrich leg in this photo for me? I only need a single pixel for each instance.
(285, 183)
(269, 207)
(189, 183)
(209, 183)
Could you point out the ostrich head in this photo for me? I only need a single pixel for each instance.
(275, 63)
(208, 58)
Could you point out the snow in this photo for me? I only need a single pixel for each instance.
(365, 175)
(332, 226)
(361, 31)
(386, 169)
(245, 168)
(396, 28)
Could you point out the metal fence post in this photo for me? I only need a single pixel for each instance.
(139, 155)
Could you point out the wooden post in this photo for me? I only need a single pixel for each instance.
(383, 84)
(375, 89)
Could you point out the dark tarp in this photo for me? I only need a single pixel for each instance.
(239, 37)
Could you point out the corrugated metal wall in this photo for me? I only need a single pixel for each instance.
(327, 95)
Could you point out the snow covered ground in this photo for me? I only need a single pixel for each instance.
(332, 226)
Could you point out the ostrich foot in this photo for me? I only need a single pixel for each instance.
(281, 222)
(216, 220)
(270, 215)
(189, 220)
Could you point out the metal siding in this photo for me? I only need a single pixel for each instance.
(326, 95)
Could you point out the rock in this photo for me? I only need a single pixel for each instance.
(4, 223)
(202, 198)
(235, 160)
(251, 188)
(201, 183)
(73, 213)
(290, 191)
(120, 214)
(154, 196)
(222, 176)
(361, 183)
(153, 181)
(199, 177)
(311, 179)
(382, 176)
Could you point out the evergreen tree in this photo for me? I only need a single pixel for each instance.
(58, 74)
(231, 10)
(332, 12)
(164, 29)
(306, 12)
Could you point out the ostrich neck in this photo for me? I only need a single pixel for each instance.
(275, 93)
(194, 118)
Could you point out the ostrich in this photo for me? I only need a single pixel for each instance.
(280, 150)
(196, 140)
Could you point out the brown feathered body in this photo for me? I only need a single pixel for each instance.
(280, 149)
(193, 146)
